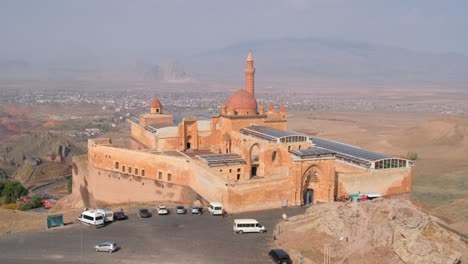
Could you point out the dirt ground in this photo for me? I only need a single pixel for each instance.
(14, 221)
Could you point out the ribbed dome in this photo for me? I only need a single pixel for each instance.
(242, 100)
(155, 103)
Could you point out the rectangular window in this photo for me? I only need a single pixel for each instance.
(129, 169)
(117, 165)
(142, 172)
(123, 168)
(136, 171)
(160, 176)
(238, 169)
(87, 217)
(169, 176)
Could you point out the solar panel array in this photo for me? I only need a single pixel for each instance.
(222, 159)
(134, 119)
(349, 152)
(268, 133)
(315, 151)
(151, 129)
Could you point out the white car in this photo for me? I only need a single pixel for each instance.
(162, 210)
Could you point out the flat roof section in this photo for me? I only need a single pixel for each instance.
(270, 134)
(349, 152)
(313, 152)
(215, 160)
(174, 153)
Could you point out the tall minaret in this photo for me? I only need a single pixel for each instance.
(249, 75)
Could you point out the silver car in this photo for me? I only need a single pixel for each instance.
(107, 246)
(180, 209)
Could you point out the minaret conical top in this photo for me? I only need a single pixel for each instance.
(250, 57)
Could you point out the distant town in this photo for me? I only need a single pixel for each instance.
(198, 102)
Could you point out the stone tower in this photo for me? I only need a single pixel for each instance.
(249, 75)
(156, 107)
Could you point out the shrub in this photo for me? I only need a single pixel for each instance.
(24, 206)
(36, 202)
(11, 206)
(13, 190)
(412, 155)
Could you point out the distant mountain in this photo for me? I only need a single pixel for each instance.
(315, 60)
(281, 64)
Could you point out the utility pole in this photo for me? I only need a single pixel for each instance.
(326, 254)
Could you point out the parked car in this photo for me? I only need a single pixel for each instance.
(144, 213)
(162, 210)
(279, 256)
(107, 246)
(119, 215)
(180, 209)
(196, 210)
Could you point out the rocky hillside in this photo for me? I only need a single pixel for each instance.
(379, 231)
(40, 143)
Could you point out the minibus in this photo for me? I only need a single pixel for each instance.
(92, 218)
(247, 226)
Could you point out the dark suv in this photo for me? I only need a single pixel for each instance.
(119, 215)
(144, 213)
(279, 256)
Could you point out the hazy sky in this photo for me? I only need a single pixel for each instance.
(137, 29)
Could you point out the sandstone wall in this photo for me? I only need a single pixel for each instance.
(100, 188)
(175, 170)
(259, 194)
(385, 181)
(141, 135)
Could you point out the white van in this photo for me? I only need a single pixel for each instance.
(215, 208)
(92, 218)
(247, 226)
(108, 214)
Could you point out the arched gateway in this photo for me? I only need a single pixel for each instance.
(310, 180)
(254, 159)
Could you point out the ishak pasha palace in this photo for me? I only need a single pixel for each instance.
(245, 157)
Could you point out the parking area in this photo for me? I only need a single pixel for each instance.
(172, 238)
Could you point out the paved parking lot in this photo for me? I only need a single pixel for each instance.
(160, 239)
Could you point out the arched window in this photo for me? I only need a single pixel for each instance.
(273, 156)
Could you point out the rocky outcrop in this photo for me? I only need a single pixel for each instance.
(389, 230)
